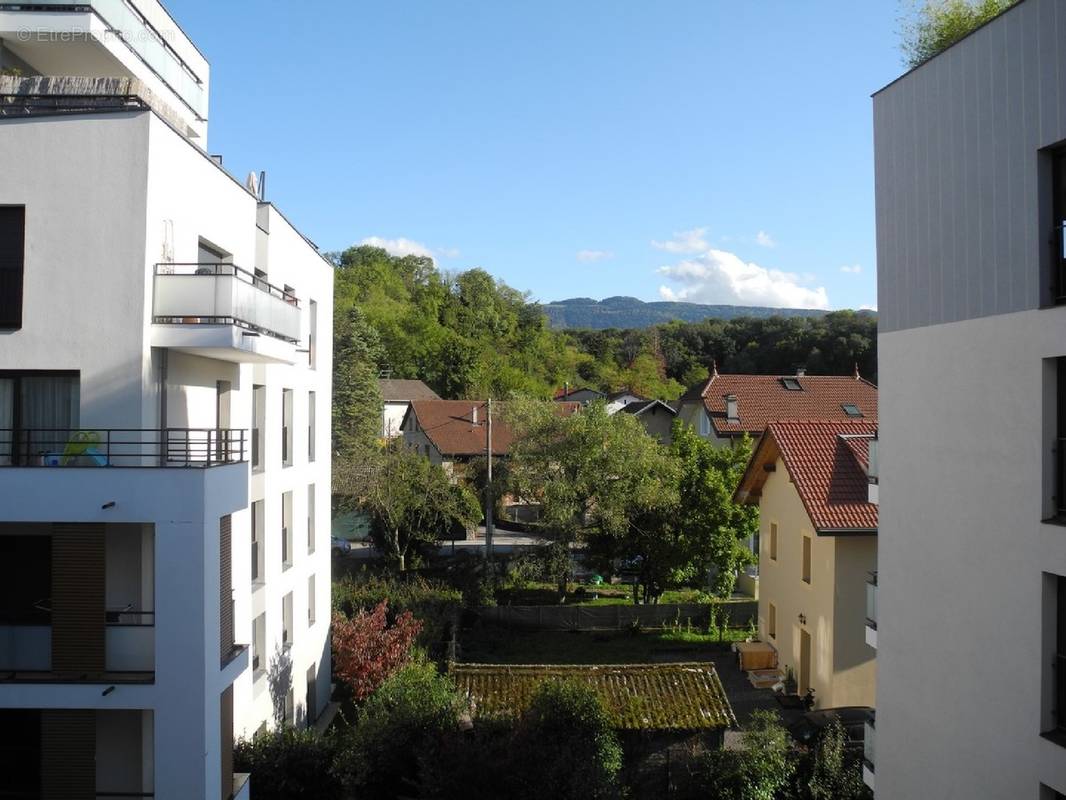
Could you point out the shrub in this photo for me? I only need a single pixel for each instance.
(433, 604)
(289, 764)
(366, 650)
(408, 712)
(828, 773)
(760, 770)
(564, 745)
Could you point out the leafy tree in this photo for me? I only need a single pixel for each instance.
(411, 501)
(289, 764)
(760, 769)
(379, 758)
(938, 24)
(433, 604)
(367, 650)
(833, 775)
(568, 749)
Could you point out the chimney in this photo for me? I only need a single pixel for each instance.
(473, 414)
(732, 410)
(801, 371)
(714, 368)
(857, 375)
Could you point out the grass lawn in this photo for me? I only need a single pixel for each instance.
(490, 644)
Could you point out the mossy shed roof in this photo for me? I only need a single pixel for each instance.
(638, 697)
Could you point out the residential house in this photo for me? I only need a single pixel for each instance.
(165, 383)
(725, 407)
(582, 394)
(817, 548)
(970, 163)
(656, 416)
(616, 401)
(396, 397)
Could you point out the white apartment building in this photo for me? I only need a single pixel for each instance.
(165, 368)
(971, 597)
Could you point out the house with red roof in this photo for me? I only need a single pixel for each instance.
(817, 550)
(725, 407)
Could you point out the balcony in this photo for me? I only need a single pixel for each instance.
(871, 610)
(869, 742)
(872, 471)
(122, 447)
(222, 311)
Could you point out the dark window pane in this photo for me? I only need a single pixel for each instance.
(12, 264)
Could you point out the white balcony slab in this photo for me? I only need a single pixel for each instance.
(225, 343)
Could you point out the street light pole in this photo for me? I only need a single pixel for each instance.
(488, 484)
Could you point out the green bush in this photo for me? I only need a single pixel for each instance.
(564, 745)
(435, 605)
(289, 764)
(412, 709)
(762, 769)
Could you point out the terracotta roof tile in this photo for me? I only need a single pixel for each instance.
(827, 462)
(762, 399)
(450, 426)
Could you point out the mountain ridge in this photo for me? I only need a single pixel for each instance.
(630, 312)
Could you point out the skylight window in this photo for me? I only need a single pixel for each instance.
(792, 384)
(851, 410)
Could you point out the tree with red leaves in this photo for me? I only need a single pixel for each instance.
(367, 650)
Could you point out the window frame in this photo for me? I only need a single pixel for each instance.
(807, 560)
(15, 290)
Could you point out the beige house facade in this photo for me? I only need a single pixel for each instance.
(813, 572)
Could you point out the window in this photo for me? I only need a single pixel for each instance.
(310, 519)
(852, 410)
(792, 384)
(1057, 607)
(312, 335)
(12, 265)
(311, 427)
(1058, 232)
(286, 427)
(310, 601)
(1058, 445)
(38, 410)
(25, 579)
(290, 708)
(286, 620)
(312, 695)
(705, 424)
(286, 530)
(257, 541)
(771, 621)
(806, 559)
(773, 541)
(259, 661)
(258, 426)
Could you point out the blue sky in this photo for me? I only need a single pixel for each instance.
(693, 149)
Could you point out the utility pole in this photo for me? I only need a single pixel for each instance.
(488, 484)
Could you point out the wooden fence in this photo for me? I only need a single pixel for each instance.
(616, 617)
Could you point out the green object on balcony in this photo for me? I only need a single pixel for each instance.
(83, 445)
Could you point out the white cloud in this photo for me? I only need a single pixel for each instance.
(867, 308)
(718, 276)
(398, 247)
(853, 269)
(594, 255)
(765, 239)
(691, 241)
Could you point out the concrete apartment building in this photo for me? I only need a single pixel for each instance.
(971, 206)
(164, 423)
(818, 537)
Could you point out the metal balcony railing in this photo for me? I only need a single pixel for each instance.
(871, 600)
(223, 294)
(121, 447)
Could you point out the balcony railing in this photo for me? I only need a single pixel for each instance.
(121, 447)
(871, 600)
(869, 742)
(224, 294)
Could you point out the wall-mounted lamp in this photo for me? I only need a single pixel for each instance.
(106, 506)
(803, 619)
(107, 691)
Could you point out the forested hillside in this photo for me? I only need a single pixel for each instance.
(469, 335)
(629, 312)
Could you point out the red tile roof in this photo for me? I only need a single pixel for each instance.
(449, 425)
(761, 399)
(827, 461)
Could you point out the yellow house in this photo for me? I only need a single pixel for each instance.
(818, 545)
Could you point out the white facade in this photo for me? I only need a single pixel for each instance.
(122, 210)
(971, 557)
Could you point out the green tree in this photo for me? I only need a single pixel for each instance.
(833, 775)
(938, 24)
(566, 745)
(356, 394)
(762, 767)
(289, 764)
(411, 501)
